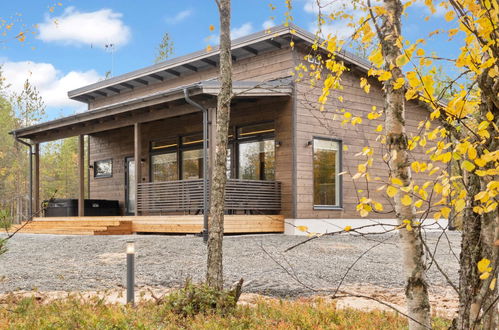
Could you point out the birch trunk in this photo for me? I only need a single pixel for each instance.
(214, 274)
(418, 306)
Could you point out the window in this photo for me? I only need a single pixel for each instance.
(103, 168)
(327, 166)
(164, 167)
(192, 164)
(256, 160)
(256, 152)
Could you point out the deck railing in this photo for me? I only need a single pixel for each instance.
(187, 196)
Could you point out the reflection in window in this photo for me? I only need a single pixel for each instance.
(256, 160)
(192, 164)
(103, 168)
(164, 167)
(326, 169)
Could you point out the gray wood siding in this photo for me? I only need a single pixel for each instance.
(312, 122)
(118, 144)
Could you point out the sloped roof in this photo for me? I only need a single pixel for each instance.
(245, 47)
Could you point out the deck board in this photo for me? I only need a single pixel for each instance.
(177, 224)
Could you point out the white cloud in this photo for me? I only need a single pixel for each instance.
(268, 24)
(179, 17)
(96, 28)
(241, 31)
(52, 84)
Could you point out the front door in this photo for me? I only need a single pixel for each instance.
(130, 186)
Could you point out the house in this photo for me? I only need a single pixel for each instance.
(286, 157)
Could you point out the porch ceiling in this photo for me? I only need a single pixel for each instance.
(154, 106)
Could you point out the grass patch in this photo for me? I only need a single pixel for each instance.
(73, 313)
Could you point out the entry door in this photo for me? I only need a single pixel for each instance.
(130, 194)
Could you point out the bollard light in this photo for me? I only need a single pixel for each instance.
(130, 272)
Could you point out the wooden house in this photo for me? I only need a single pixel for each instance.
(146, 130)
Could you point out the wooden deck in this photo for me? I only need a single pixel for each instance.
(181, 224)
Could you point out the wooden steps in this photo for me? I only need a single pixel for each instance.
(175, 224)
(76, 227)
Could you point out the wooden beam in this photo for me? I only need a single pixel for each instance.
(210, 62)
(142, 81)
(173, 72)
(250, 50)
(113, 89)
(127, 85)
(81, 161)
(190, 67)
(36, 184)
(157, 77)
(137, 159)
(273, 43)
(100, 93)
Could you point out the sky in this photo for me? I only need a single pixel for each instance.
(68, 49)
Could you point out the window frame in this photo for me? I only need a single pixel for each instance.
(339, 177)
(103, 176)
(248, 139)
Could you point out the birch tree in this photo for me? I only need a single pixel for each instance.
(214, 275)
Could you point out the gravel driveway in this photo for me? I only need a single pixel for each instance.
(69, 263)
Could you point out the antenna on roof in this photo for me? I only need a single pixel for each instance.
(110, 47)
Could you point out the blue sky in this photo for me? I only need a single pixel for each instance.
(68, 50)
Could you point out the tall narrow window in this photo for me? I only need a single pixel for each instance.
(326, 165)
(192, 164)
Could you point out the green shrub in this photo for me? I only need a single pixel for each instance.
(194, 299)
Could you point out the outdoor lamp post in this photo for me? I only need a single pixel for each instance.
(130, 272)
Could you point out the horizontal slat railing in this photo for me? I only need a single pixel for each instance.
(187, 195)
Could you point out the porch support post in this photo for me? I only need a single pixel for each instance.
(138, 163)
(213, 133)
(36, 187)
(81, 175)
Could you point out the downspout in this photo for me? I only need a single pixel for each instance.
(204, 233)
(30, 215)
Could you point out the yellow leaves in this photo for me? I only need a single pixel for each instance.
(484, 268)
(365, 85)
(362, 168)
(407, 224)
(292, 44)
(379, 128)
(492, 284)
(302, 228)
(21, 36)
(489, 116)
(212, 27)
(445, 212)
(482, 196)
(446, 157)
(406, 200)
(356, 120)
(384, 75)
(378, 206)
(391, 191)
(397, 181)
(376, 57)
(402, 60)
(347, 228)
(459, 205)
(467, 166)
(416, 167)
(449, 16)
(398, 83)
(364, 209)
(209, 48)
(472, 152)
(420, 52)
(418, 203)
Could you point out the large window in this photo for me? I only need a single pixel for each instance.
(164, 167)
(327, 166)
(256, 152)
(250, 155)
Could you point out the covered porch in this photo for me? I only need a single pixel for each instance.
(167, 191)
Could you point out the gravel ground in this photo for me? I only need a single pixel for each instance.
(71, 263)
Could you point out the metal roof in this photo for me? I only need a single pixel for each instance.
(245, 47)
